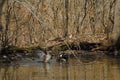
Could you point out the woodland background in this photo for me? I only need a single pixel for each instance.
(27, 23)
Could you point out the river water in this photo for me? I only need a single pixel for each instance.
(103, 68)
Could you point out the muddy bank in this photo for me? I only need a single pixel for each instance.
(83, 49)
(13, 53)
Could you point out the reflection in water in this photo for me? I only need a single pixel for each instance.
(104, 69)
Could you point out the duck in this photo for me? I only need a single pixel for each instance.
(44, 56)
(47, 57)
(62, 57)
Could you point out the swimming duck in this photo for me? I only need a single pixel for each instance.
(47, 57)
(43, 56)
(62, 57)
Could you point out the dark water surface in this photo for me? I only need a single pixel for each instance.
(99, 69)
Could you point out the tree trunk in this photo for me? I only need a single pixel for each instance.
(116, 30)
(66, 20)
(1, 6)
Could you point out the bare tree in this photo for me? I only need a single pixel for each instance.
(29, 22)
(67, 17)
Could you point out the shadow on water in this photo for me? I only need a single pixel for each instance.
(104, 68)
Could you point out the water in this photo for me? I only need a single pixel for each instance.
(103, 68)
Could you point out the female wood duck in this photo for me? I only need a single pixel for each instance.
(47, 57)
(43, 56)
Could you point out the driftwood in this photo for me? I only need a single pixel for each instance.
(79, 46)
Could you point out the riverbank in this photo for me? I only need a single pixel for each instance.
(73, 49)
